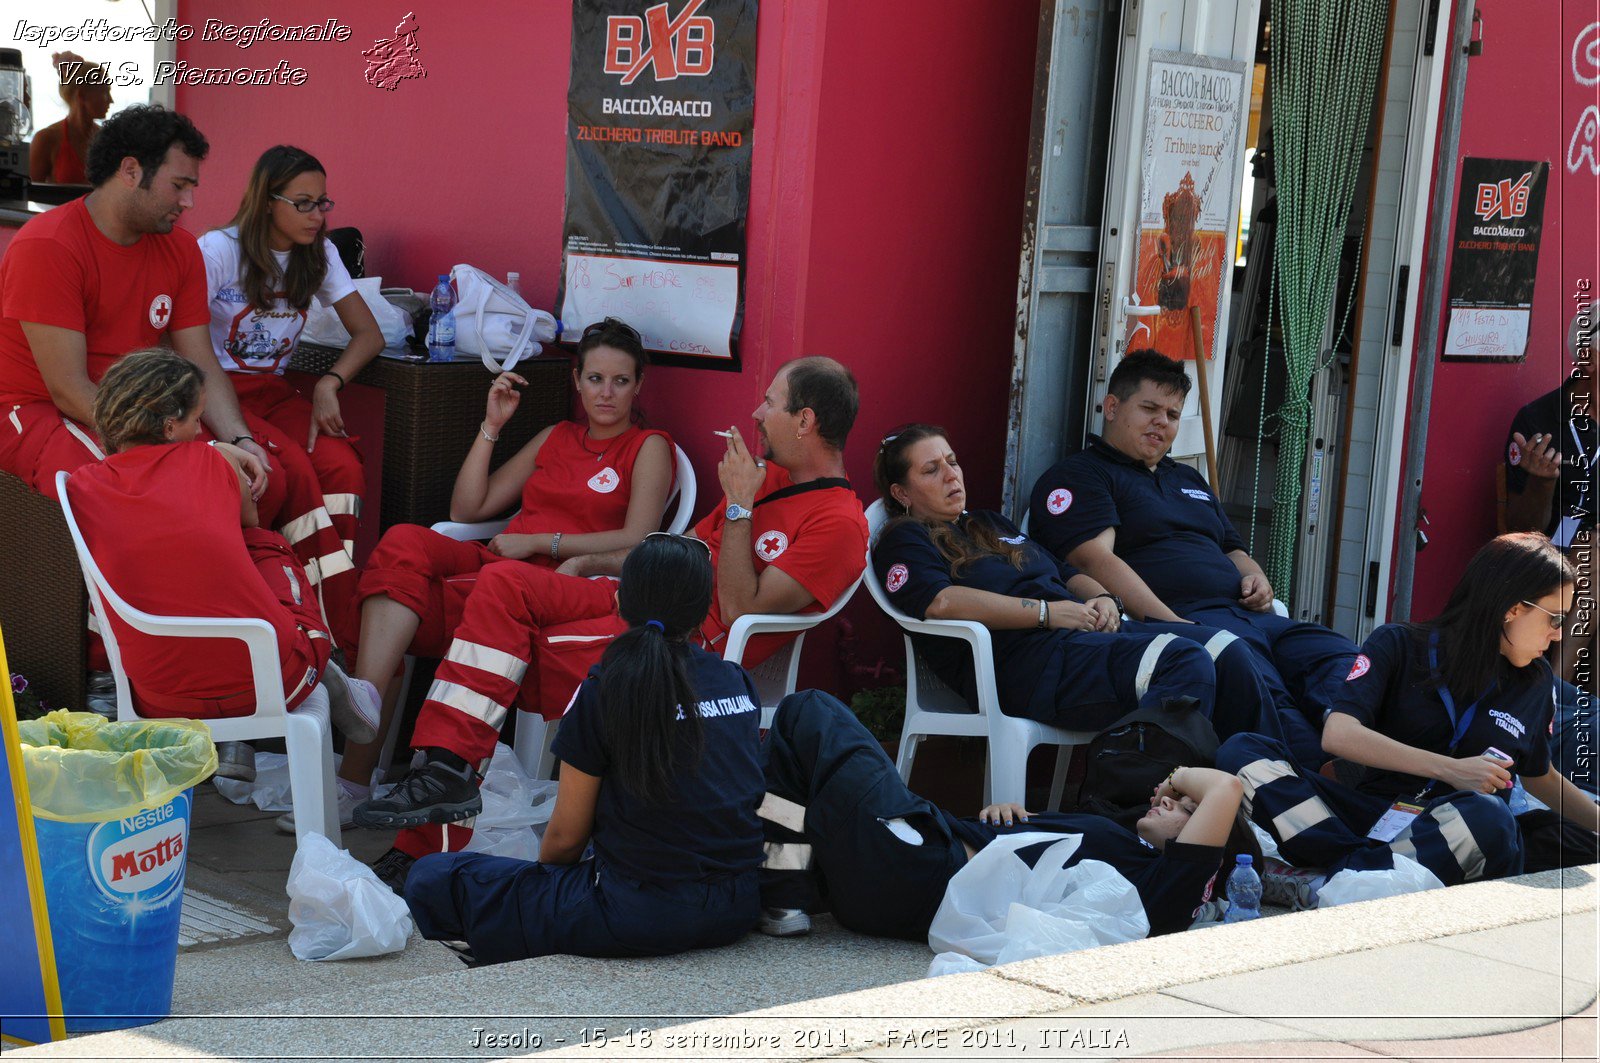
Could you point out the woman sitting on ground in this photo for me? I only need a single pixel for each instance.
(1434, 722)
(660, 772)
(584, 487)
(172, 525)
(1063, 654)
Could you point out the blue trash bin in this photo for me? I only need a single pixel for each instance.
(111, 804)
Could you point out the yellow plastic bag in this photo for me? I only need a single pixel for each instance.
(83, 768)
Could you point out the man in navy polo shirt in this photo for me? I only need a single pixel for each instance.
(1153, 533)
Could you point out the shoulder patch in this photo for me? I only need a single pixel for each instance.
(1059, 502)
(898, 574)
(605, 481)
(769, 545)
(1513, 454)
(1362, 665)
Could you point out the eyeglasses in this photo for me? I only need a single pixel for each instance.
(671, 537)
(306, 206)
(1556, 619)
(611, 323)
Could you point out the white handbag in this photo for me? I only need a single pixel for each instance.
(496, 323)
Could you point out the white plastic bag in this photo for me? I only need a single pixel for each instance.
(496, 323)
(1350, 885)
(324, 328)
(516, 808)
(270, 790)
(997, 909)
(339, 908)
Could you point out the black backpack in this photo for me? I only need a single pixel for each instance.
(1123, 764)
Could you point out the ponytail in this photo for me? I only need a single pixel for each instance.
(646, 693)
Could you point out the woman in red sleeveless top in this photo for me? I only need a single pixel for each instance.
(59, 150)
(587, 486)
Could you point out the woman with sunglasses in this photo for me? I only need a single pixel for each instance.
(262, 272)
(661, 773)
(1433, 723)
(580, 487)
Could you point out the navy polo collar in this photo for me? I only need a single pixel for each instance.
(1111, 453)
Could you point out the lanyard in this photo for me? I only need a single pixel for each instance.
(820, 484)
(1460, 722)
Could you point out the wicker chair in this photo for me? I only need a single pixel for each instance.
(44, 607)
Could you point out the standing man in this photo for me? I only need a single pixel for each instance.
(1550, 467)
(788, 536)
(87, 282)
(1153, 533)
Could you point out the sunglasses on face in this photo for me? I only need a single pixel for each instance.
(1556, 619)
(610, 323)
(306, 206)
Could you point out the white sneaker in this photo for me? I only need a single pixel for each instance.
(354, 705)
(784, 922)
(347, 808)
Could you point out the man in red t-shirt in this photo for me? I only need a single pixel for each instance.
(788, 537)
(90, 281)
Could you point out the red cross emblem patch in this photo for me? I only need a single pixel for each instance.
(897, 578)
(605, 481)
(1359, 669)
(160, 311)
(1058, 501)
(1513, 454)
(770, 545)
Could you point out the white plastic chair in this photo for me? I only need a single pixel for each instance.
(777, 676)
(1277, 606)
(932, 708)
(535, 735)
(683, 489)
(307, 733)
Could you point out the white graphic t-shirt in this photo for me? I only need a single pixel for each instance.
(248, 340)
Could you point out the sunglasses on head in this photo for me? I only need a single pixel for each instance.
(673, 537)
(610, 323)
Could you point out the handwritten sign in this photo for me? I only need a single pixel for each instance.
(1494, 259)
(682, 308)
(30, 1000)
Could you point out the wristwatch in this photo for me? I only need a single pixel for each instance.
(737, 512)
(1114, 601)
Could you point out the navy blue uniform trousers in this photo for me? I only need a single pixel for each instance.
(831, 794)
(1318, 822)
(1310, 661)
(509, 909)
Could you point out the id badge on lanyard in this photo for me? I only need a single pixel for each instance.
(1460, 722)
(1393, 822)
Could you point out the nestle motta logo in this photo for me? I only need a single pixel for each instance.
(678, 45)
(141, 857)
(1507, 198)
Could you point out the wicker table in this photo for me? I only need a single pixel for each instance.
(431, 416)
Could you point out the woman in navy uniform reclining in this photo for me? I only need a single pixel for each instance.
(1437, 718)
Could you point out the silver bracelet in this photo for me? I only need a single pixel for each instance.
(555, 546)
(483, 431)
(1044, 613)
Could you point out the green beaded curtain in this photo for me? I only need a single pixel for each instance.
(1325, 58)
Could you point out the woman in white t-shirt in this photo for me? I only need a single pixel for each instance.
(262, 273)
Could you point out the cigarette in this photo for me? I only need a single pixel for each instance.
(720, 432)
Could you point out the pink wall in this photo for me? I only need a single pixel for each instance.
(884, 220)
(1522, 102)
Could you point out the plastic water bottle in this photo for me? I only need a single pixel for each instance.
(1244, 892)
(442, 325)
(514, 282)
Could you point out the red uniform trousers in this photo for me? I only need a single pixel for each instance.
(528, 636)
(303, 657)
(428, 573)
(323, 542)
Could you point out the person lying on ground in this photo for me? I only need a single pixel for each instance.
(844, 832)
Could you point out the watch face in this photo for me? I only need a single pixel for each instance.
(735, 512)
